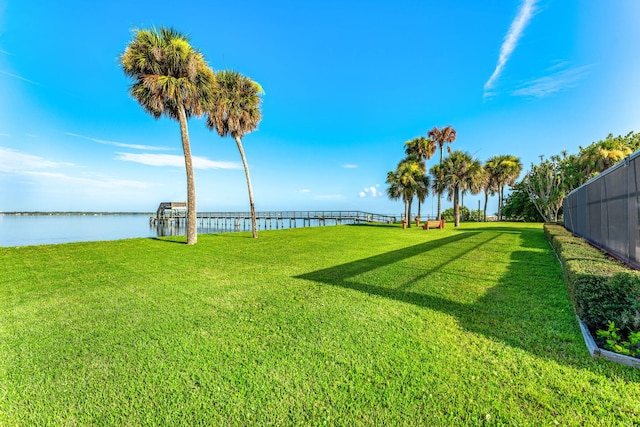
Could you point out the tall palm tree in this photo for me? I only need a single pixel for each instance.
(422, 148)
(490, 186)
(473, 182)
(236, 111)
(404, 182)
(422, 190)
(508, 171)
(458, 171)
(446, 135)
(437, 183)
(171, 79)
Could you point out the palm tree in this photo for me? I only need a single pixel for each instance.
(458, 171)
(601, 155)
(490, 185)
(443, 136)
(404, 182)
(236, 111)
(507, 172)
(422, 190)
(437, 183)
(472, 182)
(171, 79)
(422, 148)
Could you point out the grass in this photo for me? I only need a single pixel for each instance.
(346, 325)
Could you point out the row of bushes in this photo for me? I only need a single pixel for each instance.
(601, 289)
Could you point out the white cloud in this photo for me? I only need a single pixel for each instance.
(373, 191)
(104, 183)
(511, 41)
(175, 161)
(350, 166)
(305, 190)
(17, 163)
(552, 83)
(121, 144)
(13, 161)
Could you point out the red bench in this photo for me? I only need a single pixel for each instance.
(433, 224)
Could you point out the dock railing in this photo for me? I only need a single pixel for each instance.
(267, 219)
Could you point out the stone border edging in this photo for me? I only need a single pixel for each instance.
(597, 352)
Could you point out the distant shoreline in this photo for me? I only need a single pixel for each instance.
(60, 213)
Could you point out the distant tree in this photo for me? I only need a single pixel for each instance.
(446, 135)
(474, 215)
(438, 184)
(503, 170)
(519, 207)
(473, 182)
(490, 184)
(449, 213)
(404, 181)
(458, 169)
(171, 79)
(544, 184)
(601, 155)
(421, 148)
(422, 190)
(235, 111)
(572, 173)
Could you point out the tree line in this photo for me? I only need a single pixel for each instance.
(457, 174)
(539, 195)
(172, 79)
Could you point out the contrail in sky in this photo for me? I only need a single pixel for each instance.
(511, 40)
(19, 77)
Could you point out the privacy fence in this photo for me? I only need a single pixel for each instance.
(604, 210)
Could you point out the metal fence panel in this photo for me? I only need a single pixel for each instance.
(615, 213)
(606, 210)
(634, 209)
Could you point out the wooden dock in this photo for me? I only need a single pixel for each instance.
(241, 221)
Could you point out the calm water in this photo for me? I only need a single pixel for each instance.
(24, 230)
(47, 229)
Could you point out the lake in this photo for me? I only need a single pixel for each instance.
(45, 229)
(23, 230)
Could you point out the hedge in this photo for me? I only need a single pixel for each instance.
(601, 288)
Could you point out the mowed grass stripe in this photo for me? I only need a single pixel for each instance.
(347, 325)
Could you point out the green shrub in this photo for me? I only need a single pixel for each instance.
(613, 341)
(601, 289)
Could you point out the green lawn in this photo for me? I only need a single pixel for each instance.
(345, 325)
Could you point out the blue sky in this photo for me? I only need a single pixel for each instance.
(346, 84)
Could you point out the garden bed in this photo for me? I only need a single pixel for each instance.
(603, 291)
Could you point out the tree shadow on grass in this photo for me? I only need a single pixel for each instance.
(169, 239)
(527, 308)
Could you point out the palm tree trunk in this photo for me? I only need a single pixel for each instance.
(486, 200)
(462, 204)
(406, 210)
(500, 201)
(254, 228)
(456, 208)
(192, 231)
(409, 213)
(440, 192)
